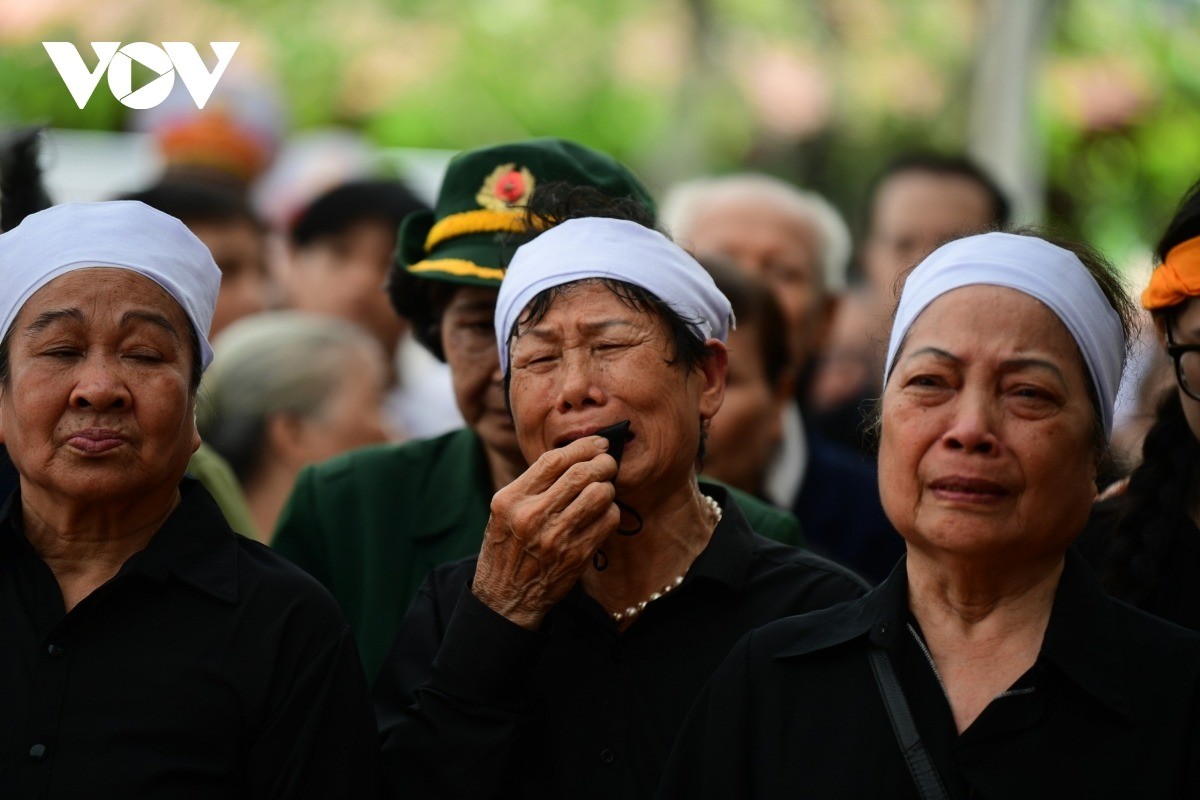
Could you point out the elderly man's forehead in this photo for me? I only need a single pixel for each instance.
(752, 205)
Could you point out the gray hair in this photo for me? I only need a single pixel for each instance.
(684, 203)
(278, 362)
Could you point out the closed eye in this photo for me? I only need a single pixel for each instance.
(535, 360)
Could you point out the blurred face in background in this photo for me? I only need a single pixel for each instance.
(469, 343)
(766, 240)
(237, 245)
(912, 214)
(745, 433)
(342, 274)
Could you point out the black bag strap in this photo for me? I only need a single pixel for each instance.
(924, 773)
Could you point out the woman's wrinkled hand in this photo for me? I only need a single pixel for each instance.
(545, 527)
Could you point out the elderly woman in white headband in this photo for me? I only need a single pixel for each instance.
(990, 663)
(148, 650)
(561, 661)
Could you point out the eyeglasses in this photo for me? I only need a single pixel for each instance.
(1187, 365)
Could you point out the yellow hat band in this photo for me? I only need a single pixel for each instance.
(459, 267)
(480, 221)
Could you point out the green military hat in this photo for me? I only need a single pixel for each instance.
(482, 201)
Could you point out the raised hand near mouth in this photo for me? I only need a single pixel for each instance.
(544, 528)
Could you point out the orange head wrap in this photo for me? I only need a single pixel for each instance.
(1177, 279)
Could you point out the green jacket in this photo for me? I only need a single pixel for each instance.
(371, 524)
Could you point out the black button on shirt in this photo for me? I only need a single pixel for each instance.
(579, 709)
(208, 667)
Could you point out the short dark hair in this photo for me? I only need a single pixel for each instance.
(194, 202)
(946, 166)
(333, 212)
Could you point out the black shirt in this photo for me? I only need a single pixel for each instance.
(208, 667)
(1110, 709)
(579, 708)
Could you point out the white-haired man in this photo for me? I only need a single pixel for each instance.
(800, 245)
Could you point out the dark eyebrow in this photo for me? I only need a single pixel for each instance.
(937, 353)
(1013, 365)
(151, 317)
(48, 318)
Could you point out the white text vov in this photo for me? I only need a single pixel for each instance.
(172, 57)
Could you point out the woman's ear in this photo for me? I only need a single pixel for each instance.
(714, 369)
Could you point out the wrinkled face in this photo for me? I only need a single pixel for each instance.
(469, 343)
(98, 405)
(987, 435)
(915, 212)
(593, 361)
(343, 275)
(1185, 329)
(352, 416)
(237, 247)
(744, 434)
(766, 240)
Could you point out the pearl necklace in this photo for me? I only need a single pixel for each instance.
(635, 611)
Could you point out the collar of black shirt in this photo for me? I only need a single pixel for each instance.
(195, 544)
(726, 559)
(1084, 638)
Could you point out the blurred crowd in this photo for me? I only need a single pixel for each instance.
(310, 227)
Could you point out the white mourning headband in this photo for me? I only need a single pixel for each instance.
(125, 234)
(595, 247)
